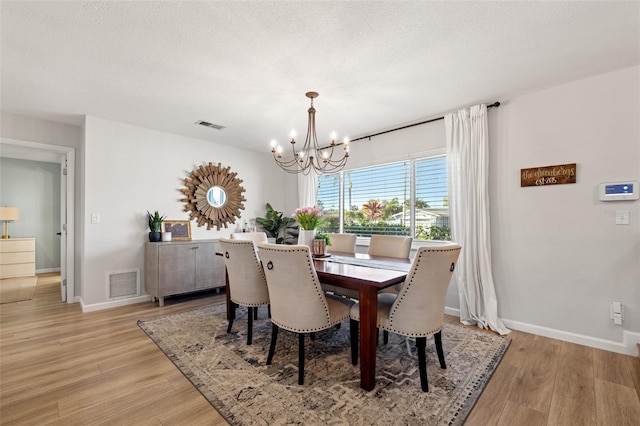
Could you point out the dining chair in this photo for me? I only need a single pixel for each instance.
(298, 303)
(418, 311)
(390, 246)
(343, 243)
(256, 237)
(397, 246)
(247, 283)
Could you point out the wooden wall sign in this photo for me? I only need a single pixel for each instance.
(548, 175)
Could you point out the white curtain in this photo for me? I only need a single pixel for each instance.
(307, 189)
(468, 167)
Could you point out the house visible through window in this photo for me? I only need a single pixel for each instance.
(404, 198)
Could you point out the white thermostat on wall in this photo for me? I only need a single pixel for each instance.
(619, 191)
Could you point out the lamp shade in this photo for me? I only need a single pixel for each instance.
(9, 213)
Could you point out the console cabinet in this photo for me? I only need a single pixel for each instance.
(18, 257)
(177, 267)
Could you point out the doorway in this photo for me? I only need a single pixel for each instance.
(65, 156)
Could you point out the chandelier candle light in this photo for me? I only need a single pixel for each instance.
(311, 156)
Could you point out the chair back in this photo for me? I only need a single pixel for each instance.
(390, 246)
(297, 301)
(256, 237)
(247, 283)
(344, 243)
(418, 310)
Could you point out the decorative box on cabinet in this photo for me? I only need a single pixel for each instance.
(178, 267)
(17, 257)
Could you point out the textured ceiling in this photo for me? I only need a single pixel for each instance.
(247, 65)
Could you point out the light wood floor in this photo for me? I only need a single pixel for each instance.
(61, 367)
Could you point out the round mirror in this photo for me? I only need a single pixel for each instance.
(216, 196)
(213, 195)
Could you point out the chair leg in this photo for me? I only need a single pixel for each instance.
(301, 358)
(272, 347)
(385, 337)
(438, 338)
(421, 344)
(232, 306)
(250, 326)
(312, 335)
(269, 310)
(353, 330)
(255, 312)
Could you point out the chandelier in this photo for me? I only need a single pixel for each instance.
(311, 156)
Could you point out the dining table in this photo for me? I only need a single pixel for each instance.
(366, 275)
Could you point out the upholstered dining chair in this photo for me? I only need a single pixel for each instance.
(390, 246)
(298, 303)
(418, 311)
(343, 243)
(256, 237)
(247, 283)
(397, 246)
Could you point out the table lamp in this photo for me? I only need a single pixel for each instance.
(7, 214)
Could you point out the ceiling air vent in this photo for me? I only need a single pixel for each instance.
(207, 124)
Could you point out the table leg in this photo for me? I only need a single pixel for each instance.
(368, 344)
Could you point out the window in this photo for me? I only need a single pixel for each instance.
(403, 198)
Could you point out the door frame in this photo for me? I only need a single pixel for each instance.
(67, 199)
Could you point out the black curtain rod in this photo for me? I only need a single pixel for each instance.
(495, 104)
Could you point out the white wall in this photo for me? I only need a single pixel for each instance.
(130, 169)
(20, 127)
(559, 259)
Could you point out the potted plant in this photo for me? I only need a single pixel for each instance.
(309, 218)
(275, 225)
(320, 242)
(155, 226)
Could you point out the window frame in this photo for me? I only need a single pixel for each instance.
(412, 159)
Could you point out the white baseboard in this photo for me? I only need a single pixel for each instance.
(47, 270)
(452, 311)
(628, 346)
(113, 303)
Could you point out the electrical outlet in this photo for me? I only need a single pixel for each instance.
(95, 218)
(616, 312)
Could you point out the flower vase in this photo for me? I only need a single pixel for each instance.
(306, 238)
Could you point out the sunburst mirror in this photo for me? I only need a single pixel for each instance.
(213, 196)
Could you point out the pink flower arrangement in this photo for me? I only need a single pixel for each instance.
(308, 217)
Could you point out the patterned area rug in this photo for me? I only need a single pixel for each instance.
(235, 379)
(17, 289)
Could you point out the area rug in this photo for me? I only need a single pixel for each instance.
(235, 379)
(17, 289)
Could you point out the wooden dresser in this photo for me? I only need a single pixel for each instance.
(178, 267)
(17, 257)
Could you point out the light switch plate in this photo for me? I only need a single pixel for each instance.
(95, 218)
(622, 217)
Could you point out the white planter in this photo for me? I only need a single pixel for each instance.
(166, 236)
(306, 238)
